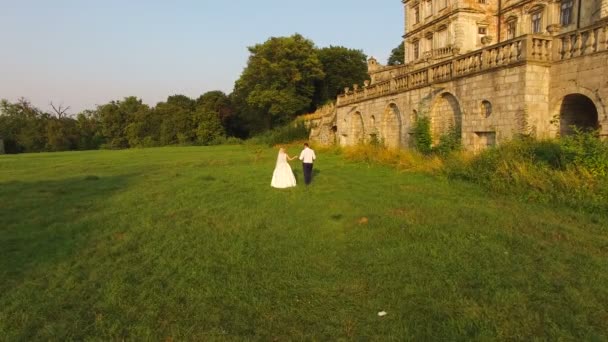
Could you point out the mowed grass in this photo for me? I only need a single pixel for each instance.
(193, 244)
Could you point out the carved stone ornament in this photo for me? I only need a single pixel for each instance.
(553, 29)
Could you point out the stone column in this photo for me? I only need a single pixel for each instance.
(604, 9)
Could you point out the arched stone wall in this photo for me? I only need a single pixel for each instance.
(357, 129)
(391, 126)
(573, 89)
(445, 115)
(577, 112)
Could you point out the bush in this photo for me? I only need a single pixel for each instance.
(584, 150)
(282, 135)
(422, 138)
(571, 171)
(449, 142)
(226, 141)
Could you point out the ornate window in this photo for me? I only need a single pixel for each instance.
(416, 49)
(537, 22)
(511, 28)
(566, 12)
(416, 14)
(441, 38)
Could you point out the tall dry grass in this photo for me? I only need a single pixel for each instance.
(542, 171)
(408, 160)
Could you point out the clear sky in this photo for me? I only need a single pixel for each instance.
(81, 53)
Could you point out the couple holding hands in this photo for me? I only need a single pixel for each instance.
(283, 176)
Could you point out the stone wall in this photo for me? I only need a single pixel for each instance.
(489, 107)
(585, 76)
(322, 125)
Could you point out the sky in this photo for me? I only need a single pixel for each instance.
(82, 53)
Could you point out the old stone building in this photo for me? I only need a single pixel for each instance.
(488, 68)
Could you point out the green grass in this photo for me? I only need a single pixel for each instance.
(193, 244)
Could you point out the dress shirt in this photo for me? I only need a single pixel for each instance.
(307, 156)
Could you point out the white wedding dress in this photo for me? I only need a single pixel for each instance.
(282, 177)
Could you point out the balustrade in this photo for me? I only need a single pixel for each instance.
(527, 48)
(582, 42)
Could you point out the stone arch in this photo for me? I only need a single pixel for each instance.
(445, 115)
(570, 89)
(357, 131)
(391, 126)
(577, 111)
(373, 130)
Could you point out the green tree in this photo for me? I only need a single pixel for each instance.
(209, 127)
(278, 82)
(116, 116)
(178, 122)
(343, 67)
(397, 56)
(220, 103)
(22, 126)
(90, 130)
(62, 134)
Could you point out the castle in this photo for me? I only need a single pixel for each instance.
(491, 69)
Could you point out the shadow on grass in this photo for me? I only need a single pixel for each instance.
(44, 222)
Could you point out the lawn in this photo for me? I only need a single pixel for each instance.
(191, 243)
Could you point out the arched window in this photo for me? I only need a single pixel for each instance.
(414, 116)
(486, 108)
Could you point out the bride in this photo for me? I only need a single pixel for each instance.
(283, 177)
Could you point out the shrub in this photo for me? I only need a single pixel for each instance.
(226, 141)
(571, 171)
(449, 142)
(282, 135)
(422, 138)
(584, 150)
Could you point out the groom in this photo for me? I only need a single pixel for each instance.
(307, 156)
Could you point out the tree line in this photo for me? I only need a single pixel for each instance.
(284, 77)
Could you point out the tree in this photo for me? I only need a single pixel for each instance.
(90, 130)
(22, 126)
(176, 121)
(343, 67)
(278, 82)
(62, 134)
(116, 116)
(397, 56)
(209, 126)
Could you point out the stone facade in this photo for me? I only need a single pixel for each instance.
(490, 68)
(322, 125)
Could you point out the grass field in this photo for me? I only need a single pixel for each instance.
(193, 244)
